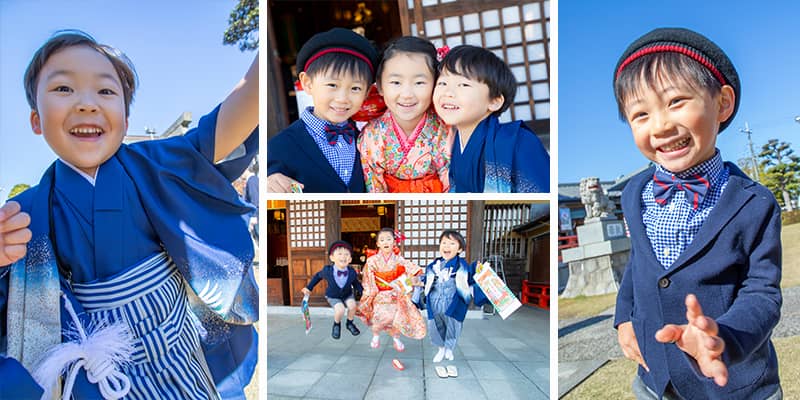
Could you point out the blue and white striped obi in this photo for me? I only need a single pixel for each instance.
(150, 298)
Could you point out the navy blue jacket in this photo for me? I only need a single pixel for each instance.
(294, 153)
(733, 266)
(351, 288)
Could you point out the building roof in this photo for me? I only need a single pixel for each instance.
(570, 191)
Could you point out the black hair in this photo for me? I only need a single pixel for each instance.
(656, 69)
(340, 244)
(388, 230)
(71, 38)
(340, 63)
(454, 235)
(479, 64)
(409, 44)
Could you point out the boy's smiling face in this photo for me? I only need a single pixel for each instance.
(449, 248)
(463, 102)
(80, 107)
(336, 97)
(341, 257)
(676, 126)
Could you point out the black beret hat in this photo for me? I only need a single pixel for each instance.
(692, 45)
(340, 244)
(337, 40)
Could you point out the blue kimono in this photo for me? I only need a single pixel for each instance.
(161, 214)
(295, 154)
(500, 158)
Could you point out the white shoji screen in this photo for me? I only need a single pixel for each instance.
(307, 224)
(517, 33)
(422, 221)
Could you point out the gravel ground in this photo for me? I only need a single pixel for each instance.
(595, 338)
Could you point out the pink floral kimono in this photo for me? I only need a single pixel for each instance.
(394, 162)
(383, 305)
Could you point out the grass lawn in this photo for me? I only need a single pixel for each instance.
(613, 380)
(790, 238)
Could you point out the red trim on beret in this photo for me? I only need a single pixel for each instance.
(663, 48)
(339, 50)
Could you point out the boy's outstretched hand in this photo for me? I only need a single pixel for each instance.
(14, 233)
(699, 339)
(630, 346)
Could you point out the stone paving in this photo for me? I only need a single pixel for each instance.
(496, 359)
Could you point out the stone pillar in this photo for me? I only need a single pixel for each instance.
(596, 265)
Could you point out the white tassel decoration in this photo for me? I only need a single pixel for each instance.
(101, 353)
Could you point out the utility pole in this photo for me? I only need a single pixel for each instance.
(747, 130)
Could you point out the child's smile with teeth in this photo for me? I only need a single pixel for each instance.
(676, 145)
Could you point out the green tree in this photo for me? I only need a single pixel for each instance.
(781, 171)
(746, 165)
(17, 189)
(243, 26)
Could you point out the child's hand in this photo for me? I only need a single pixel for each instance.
(630, 346)
(415, 281)
(14, 233)
(306, 292)
(280, 183)
(699, 339)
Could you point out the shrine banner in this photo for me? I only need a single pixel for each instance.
(496, 290)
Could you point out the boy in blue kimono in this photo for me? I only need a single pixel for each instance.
(702, 233)
(474, 87)
(105, 247)
(317, 153)
(343, 286)
(449, 288)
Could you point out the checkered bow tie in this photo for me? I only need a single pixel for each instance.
(664, 185)
(341, 273)
(332, 133)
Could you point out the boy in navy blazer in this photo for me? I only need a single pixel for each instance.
(317, 153)
(343, 286)
(702, 233)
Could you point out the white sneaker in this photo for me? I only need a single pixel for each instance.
(439, 355)
(448, 354)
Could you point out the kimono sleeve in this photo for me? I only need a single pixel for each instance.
(371, 146)
(531, 164)
(202, 139)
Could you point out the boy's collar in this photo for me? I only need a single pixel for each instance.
(315, 124)
(710, 168)
(91, 179)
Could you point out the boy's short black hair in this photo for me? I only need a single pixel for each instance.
(454, 235)
(71, 38)
(482, 65)
(338, 51)
(675, 55)
(340, 244)
(413, 45)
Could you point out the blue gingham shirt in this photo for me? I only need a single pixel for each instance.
(672, 227)
(341, 156)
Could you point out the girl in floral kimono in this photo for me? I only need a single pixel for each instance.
(384, 305)
(407, 149)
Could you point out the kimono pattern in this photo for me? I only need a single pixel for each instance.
(388, 308)
(385, 151)
(500, 158)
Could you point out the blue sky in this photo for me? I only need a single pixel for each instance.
(762, 39)
(176, 47)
